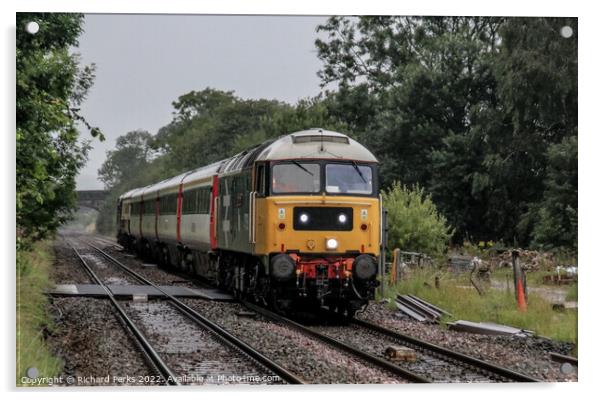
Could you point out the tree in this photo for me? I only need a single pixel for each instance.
(131, 156)
(464, 106)
(208, 126)
(556, 224)
(51, 84)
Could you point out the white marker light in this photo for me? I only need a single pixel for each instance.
(32, 27)
(342, 218)
(566, 32)
(331, 244)
(303, 218)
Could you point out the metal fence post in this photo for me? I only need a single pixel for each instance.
(383, 251)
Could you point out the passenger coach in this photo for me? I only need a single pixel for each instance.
(293, 222)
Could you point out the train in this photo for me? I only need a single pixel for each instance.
(292, 223)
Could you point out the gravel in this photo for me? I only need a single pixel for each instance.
(304, 356)
(429, 365)
(67, 268)
(194, 355)
(527, 355)
(313, 361)
(94, 344)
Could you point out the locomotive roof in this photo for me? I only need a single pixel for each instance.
(316, 143)
(313, 143)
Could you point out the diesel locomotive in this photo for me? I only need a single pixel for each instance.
(292, 223)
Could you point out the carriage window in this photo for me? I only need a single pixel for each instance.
(296, 177)
(348, 178)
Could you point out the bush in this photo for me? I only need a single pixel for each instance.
(414, 222)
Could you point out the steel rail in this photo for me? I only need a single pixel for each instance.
(466, 359)
(205, 323)
(562, 358)
(151, 354)
(380, 362)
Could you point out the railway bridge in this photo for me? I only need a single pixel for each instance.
(91, 198)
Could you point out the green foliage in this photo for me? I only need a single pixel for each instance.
(467, 107)
(414, 223)
(470, 108)
(208, 126)
(32, 316)
(50, 86)
(571, 294)
(557, 222)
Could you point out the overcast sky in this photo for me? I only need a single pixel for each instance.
(144, 62)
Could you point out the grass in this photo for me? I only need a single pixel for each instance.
(32, 313)
(571, 294)
(497, 306)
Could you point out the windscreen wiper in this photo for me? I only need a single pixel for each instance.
(302, 167)
(359, 172)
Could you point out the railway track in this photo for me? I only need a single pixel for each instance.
(434, 363)
(149, 352)
(474, 369)
(366, 357)
(218, 333)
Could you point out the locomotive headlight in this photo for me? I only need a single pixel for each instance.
(342, 218)
(332, 244)
(303, 218)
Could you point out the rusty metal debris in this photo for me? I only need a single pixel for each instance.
(532, 260)
(459, 263)
(419, 309)
(487, 328)
(400, 353)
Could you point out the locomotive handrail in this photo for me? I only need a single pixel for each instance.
(380, 216)
(252, 238)
(252, 217)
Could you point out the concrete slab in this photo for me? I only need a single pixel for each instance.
(486, 328)
(139, 291)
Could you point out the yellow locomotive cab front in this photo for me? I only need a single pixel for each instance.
(276, 225)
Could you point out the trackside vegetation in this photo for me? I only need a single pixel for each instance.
(413, 220)
(33, 319)
(51, 84)
(456, 295)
